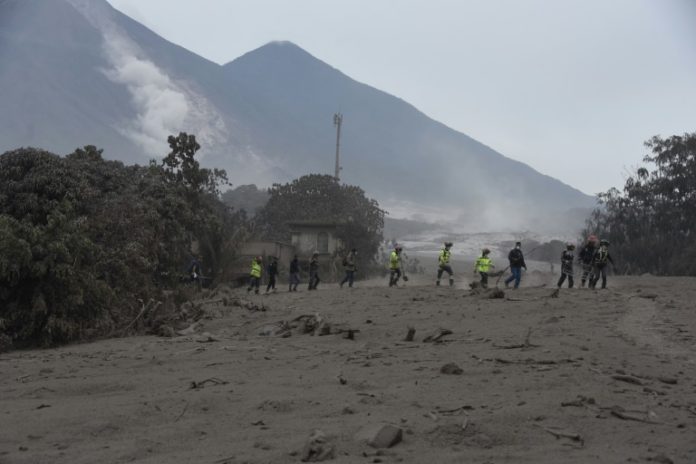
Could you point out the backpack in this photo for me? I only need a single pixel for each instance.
(515, 256)
(345, 261)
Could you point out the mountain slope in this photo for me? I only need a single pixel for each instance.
(78, 71)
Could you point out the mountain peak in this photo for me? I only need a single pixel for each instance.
(278, 51)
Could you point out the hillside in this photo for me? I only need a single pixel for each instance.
(79, 72)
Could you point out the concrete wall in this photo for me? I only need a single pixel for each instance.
(306, 241)
(283, 251)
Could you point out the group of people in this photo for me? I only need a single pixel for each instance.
(349, 263)
(594, 257)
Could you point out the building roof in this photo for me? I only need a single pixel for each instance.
(310, 224)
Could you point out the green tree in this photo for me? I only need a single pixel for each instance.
(652, 222)
(317, 197)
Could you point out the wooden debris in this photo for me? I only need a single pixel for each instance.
(410, 334)
(621, 413)
(579, 402)
(627, 379)
(455, 411)
(559, 433)
(213, 380)
(437, 336)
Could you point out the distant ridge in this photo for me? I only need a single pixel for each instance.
(79, 72)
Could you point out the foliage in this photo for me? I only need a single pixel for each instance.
(246, 197)
(82, 238)
(652, 224)
(317, 197)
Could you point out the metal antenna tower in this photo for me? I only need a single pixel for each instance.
(338, 120)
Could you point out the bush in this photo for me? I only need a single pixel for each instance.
(82, 239)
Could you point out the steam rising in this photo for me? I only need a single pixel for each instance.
(163, 106)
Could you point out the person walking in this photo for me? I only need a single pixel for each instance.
(195, 271)
(517, 263)
(314, 272)
(255, 275)
(599, 264)
(272, 274)
(585, 258)
(443, 262)
(395, 266)
(294, 274)
(350, 268)
(483, 265)
(567, 258)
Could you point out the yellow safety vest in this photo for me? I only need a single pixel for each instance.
(444, 257)
(483, 264)
(394, 260)
(255, 269)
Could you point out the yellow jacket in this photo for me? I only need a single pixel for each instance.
(483, 264)
(444, 258)
(394, 260)
(255, 269)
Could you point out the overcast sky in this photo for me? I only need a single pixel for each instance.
(571, 87)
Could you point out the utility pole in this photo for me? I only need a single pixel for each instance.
(338, 120)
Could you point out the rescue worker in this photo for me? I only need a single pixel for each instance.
(195, 273)
(272, 273)
(599, 264)
(294, 274)
(255, 274)
(585, 257)
(516, 259)
(483, 265)
(567, 258)
(443, 262)
(350, 268)
(314, 272)
(395, 266)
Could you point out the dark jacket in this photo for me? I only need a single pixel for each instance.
(273, 269)
(587, 253)
(567, 258)
(349, 262)
(516, 258)
(601, 256)
(294, 266)
(314, 265)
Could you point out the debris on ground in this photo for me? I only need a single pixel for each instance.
(437, 336)
(451, 369)
(562, 433)
(211, 381)
(381, 436)
(319, 447)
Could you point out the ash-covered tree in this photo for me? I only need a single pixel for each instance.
(317, 197)
(204, 216)
(82, 238)
(651, 224)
